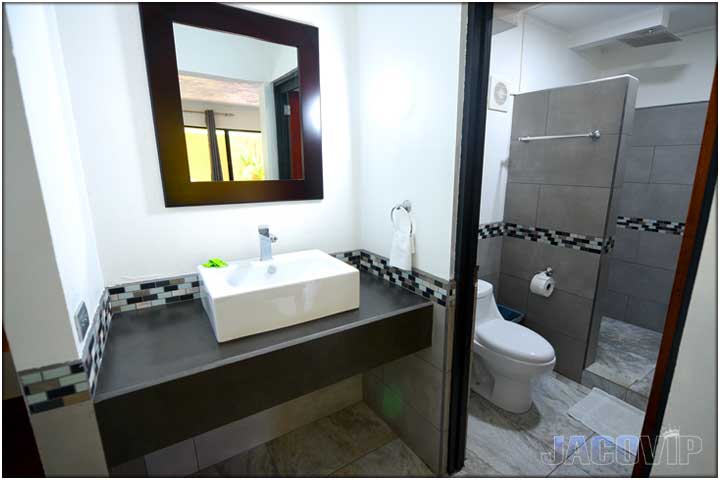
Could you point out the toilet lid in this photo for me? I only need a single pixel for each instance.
(515, 341)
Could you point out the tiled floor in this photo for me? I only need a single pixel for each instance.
(504, 444)
(625, 362)
(351, 443)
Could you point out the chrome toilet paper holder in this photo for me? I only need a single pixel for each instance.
(548, 271)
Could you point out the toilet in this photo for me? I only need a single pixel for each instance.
(507, 356)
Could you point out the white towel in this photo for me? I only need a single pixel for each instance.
(403, 243)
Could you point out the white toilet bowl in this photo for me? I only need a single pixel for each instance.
(507, 356)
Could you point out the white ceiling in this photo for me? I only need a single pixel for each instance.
(572, 17)
(217, 90)
(575, 16)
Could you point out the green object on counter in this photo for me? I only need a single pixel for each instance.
(215, 263)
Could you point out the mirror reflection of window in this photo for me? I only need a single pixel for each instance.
(241, 106)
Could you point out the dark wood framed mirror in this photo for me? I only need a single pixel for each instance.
(236, 103)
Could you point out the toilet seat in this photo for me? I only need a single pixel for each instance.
(514, 341)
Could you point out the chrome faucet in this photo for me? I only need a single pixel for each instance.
(266, 241)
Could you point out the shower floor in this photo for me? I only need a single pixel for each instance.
(625, 362)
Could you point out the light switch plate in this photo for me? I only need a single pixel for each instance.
(82, 320)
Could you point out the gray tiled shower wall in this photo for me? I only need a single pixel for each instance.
(565, 185)
(658, 181)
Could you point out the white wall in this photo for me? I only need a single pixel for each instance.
(405, 96)
(34, 316)
(531, 56)
(47, 103)
(136, 235)
(547, 62)
(669, 73)
(227, 55)
(692, 404)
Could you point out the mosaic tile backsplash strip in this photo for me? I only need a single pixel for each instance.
(420, 283)
(146, 294)
(96, 340)
(59, 385)
(55, 386)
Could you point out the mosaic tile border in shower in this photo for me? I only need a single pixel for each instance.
(153, 293)
(421, 283)
(558, 238)
(54, 386)
(491, 230)
(651, 225)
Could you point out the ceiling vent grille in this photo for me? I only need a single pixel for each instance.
(650, 36)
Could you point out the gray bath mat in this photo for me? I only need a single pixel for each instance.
(610, 417)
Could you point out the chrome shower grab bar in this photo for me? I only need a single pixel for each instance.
(595, 134)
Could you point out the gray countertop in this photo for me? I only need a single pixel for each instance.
(148, 347)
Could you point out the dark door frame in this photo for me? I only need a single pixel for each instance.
(477, 66)
(477, 73)
(688, 260)
(281, 87)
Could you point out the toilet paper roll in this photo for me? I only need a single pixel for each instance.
(542, 284)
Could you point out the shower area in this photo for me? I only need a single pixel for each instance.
(659, 169)
(597, 191)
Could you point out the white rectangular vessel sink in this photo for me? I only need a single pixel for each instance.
(250, 296)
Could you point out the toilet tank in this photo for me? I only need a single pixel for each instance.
(485, 307)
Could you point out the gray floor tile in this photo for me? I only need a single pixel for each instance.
(308, 451)
(592, 380)
(625, 336)
(601, 458)
(256, 462)
(622, 367)
(643, 385)
(502, 445)
(553, 395)
(625, 361)
(394, 459)
(568, 471)
(362, 428)
(329, 443)
(475, 466)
